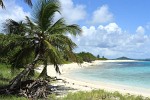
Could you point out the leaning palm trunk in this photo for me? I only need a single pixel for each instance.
(44, 71)
(18, 78)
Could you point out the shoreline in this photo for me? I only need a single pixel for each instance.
(85, 85)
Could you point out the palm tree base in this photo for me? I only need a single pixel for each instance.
(30, 88)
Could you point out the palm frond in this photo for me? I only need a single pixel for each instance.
(2, 4)
(44, 12)
(60, 27)
(60, 39)
(13, 27)
(64, 44)
(53, 55)
(29, 2)
(74, 29)
(31, 27)
(57, 68)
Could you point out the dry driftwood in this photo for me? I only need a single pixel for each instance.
(29, 88)
(36, 89)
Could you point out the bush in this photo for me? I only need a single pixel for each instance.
(86, 56)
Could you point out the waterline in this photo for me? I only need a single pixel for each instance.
(135, 74)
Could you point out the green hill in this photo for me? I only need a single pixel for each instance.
(124, 58)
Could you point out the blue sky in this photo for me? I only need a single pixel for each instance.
(111, 28)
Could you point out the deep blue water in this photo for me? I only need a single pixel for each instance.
(125, 73)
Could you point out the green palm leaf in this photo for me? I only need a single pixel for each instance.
(44, 13)
(29, 2)
(2, 4)
(53, 55)
(60, 27)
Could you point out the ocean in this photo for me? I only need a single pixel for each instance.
(135, 74)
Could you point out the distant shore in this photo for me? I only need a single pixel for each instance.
(82, 85)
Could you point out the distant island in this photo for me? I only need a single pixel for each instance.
(126, 58)
(123, 58)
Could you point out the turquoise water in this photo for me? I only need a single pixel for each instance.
(124, 73)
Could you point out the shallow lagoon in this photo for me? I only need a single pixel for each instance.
(135, 74)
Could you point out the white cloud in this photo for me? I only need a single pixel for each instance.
(72, 12)
(111, 28)
(111, 41)
(102, 15)
(140, 29)
(12, 11)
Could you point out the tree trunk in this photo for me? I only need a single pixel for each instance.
(18, 78)
(44, 72)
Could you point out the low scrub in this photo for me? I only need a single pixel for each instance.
(101, 95)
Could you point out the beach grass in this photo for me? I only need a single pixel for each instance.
(101, 95)
(5, 74)
(82, 95)
(5, 77)
(11, 97)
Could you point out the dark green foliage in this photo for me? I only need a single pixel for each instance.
(5, 74)
(15, 50)
(98, 56)
(101, 58)
(86, 56)
(12, 97)
(5, 77)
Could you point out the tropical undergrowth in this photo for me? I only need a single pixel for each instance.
(6, 76)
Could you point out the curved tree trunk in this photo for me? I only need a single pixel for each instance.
(18, 78)
(44, 71)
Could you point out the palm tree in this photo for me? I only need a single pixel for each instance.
(43, 39)
(2, 4)
(27, 1)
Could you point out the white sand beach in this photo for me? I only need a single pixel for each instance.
(82, 85)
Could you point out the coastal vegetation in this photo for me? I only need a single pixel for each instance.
(101, 95)
(88, 57)
(40, 40)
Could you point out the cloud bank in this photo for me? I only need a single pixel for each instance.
(111, 41)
